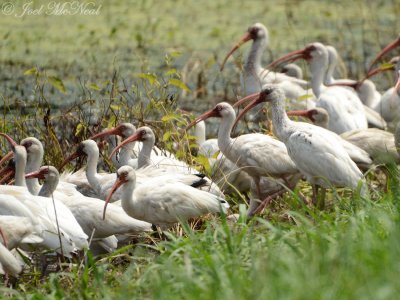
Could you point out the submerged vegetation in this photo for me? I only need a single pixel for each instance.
(135, 63)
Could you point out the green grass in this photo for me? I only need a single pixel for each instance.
(347, 252)
(130, 63)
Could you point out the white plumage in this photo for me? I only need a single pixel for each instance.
(163, 203)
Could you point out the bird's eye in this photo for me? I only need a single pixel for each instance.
(143, 133)
(27, 144)
(253, 30)
(219, 108)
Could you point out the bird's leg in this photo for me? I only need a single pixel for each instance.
(254, 203)
(321, 201)
(314, 194)
(266, 202)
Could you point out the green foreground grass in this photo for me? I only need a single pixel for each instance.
(349, 251)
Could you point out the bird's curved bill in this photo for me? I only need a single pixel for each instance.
(120, 181)
(111, 131)
(288, 58)
(383, 68)
(37, 174)
(208, 114)
(243, 40)
(9, 139)
(298, 113)
(253, 102)
(134, 137)
(389, 47)
(69, 158)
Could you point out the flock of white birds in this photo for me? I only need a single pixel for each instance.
(87, 209)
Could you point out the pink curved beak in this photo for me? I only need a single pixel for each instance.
(389, 47)
(244, 39)
(378, 70)
(298, 113)
(111, 131)
(208, 114)
(254, 99)
(134, 137)
(120, 181)
(37, 174)
(290, 57)
(9, 139)
(70, 158)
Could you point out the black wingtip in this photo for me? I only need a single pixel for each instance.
(199, 183)
(200, 175)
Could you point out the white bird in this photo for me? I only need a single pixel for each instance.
(51, 209)
(255, 76)
(8, 263)
(389, 106)
(366, 91)
(102, 182)
(89, 211)
(371, 142)
(322, 160)
(228, 176)
(345, 109)
(19, 230)
(293, 70)
(170, 165)
(129, 152)
(163, 203)
(257, 154)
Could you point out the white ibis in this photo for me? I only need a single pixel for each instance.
(293, 70)
(320, 117)
(51, 209)
(392, 45)
(360, 144)
(257, 154)
(8, 263)
(322, 160)
(130, 151)
(102, 182)
(17, 230)
(389, 106)
(171, 165)
(226, 174)
(89, 211)
(345, 109)
(255, 76)
(163, 203)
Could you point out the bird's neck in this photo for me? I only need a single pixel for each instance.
(280, 120)
(224, 133)
(48, 188)
(253, 62)
(20, 173)
(126, 153)
(91, 171)
(34, 162)
(145, 153)
(328, 79)
(200, 133)
(317, 76)
(127, 197)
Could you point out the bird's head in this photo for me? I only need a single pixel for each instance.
(124, 174)
(254, 32)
